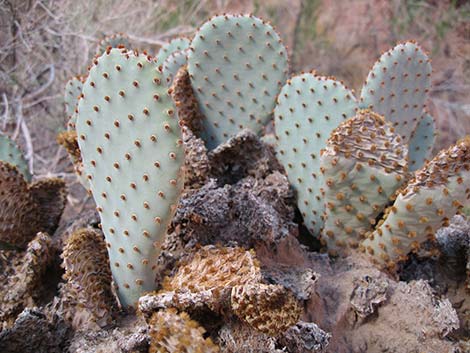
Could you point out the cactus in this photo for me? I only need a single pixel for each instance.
(268, 308)
(68, 139)
(397, 87)
(421, 142)
(173, 332)
(118, 40)
(186, 103)
(28, 208)
(73, 89)
(309, 107)
(237, 66)
(172, 64)
(86, 297)
(132, 153)
(228, 281)
(364, 163)
(432, 197)
(215, 268)
(175, 45)
(11, 154)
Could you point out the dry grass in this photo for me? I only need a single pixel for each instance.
(45, 42)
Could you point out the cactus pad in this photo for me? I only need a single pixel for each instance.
(237, 66)
(364, 163)
(268, 308)
(397, 87)
(309, 107)
(185, 101)
(432, 197)
(28, 208)
(86, 297)
(10, 153)
(421, 142)
(172, 64)
(118, 40)
(215, 268)
(20, 219)
(175, 45)
(172, 332)
(132, 153)
(73, 89)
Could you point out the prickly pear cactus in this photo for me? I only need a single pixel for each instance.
(132, 152)
(237, 66)
(172, 64)
(171, 331)
(364, 163)
(421, 142)
(28, 208)
(175, 45)
(10, 153)
(309, 107)
(397, 87)
(19, 214)
(186, 103)
(118, 40)
(432, 197)
(73, 89)
(268, 308)
(86, 298)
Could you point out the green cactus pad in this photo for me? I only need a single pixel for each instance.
(237, 66)
(118, 40)
(432, 197)
(364, 163)
(172, 64)
(309, 107)
(132, 153)
(73, 89)
(10, 153)
(421, 142)
(175, 45)
(397, 87)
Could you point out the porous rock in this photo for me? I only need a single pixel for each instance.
(249, 212)
(242, 155)
(305, 337)
(33, 332)
(24, 283)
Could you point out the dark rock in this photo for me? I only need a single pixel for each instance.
(196, 162)
(34, 333)
(301, 281)
(241, 156)
(305, 337)
(247, 213)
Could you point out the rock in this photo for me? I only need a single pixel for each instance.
(300, 281)
(305, 337)
(129, 336)
(32, 332)
(26, 284)
(241, 156)
(367, 295)
(236, 337)
(249, 212)
(196, 162)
